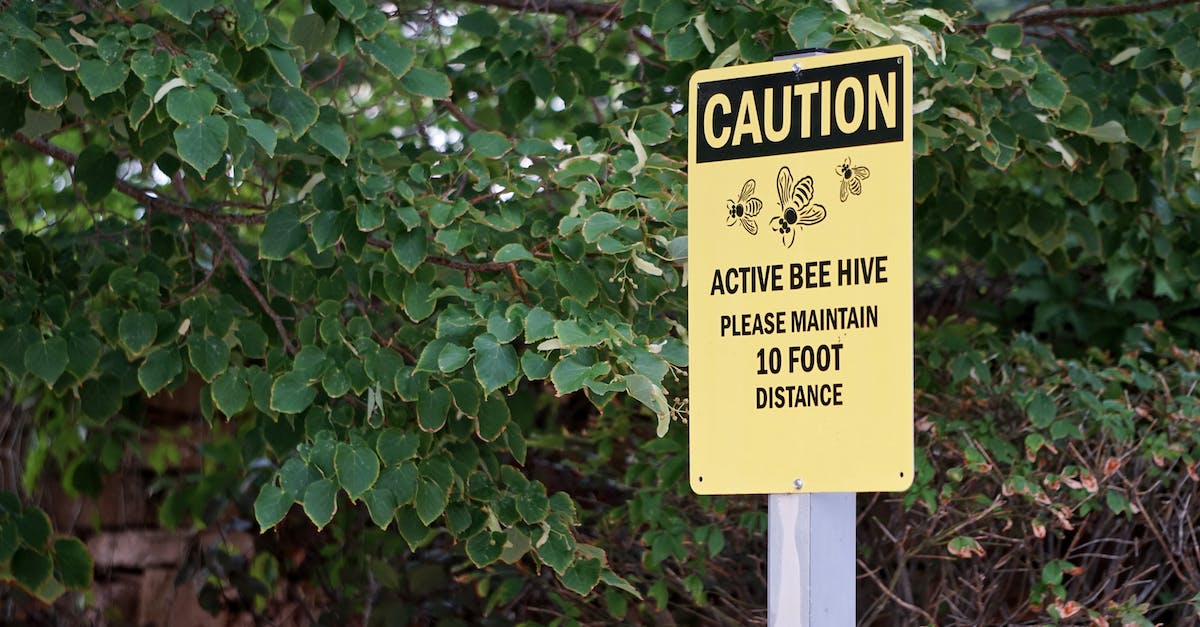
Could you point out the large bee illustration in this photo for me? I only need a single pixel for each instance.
(795, 199)
(852, 178)
(744, 209)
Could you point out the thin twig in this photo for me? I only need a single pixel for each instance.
(241, 266)
(892, 595)
(218, 256)
(332, 75)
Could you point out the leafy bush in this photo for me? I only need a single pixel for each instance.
(426, 264)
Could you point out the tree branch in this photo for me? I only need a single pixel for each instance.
(1030, 16)
(458, 114)
(560, 7)
(145, 197)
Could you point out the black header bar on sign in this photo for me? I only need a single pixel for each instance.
(816, 109)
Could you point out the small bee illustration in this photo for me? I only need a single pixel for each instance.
(744, 209)
(852, 178)
(795, 199)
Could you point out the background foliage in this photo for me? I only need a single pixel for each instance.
(427, 259)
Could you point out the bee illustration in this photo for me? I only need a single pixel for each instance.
(744, 209)
(795, 198)
(852, 178)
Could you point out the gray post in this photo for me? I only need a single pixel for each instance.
(811, 560)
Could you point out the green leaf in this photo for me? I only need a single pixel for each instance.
(83, 351)
(539, 325)
(381, 505)
(73, 563)
(271, 505)
(486, 547)
(31, 568)
(209, 355)
(191, 105)
(479, 22)
(414, 532)
(97, 398)
(557, 551)
(18, 59)
(570, 375)
(1006, 36)
(185, 10)
(683, 44)
(433, 408)
(47, 359)
(101, 78)
(328, 134)
(159, 369)
(650, 395)
(320, 502)
(395, 446)
(488, 144)
(386, 52)
(534, 365)
(34, 527)
(48, 87)
(518, 101)
(8, 541)
(96, 168)
(292, 393)
(262, 133)
(421, 81)
(599, 224)
(357, 468)
(430, 500)
(495, 363)
(282, 233)
(201, 144)
(582, 576)
(572, 334)
(401, 480)
(452, 357)
(1120, 186)
(336, 383)
(1117, 502)
(1041, 410)
(410, 248)
(296, 475)
(137, 331)
(60, 53)
(309, 32)
(1110, 132)
(229, 394)
(295, 108)
(285, 64)
(1047, 90)
(670, 14)
(505, 329)
(1075, 115)
(533, 506)
(513, 252)
(494, 416)
(612, 579)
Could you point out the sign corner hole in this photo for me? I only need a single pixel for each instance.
(701, 478)
(901, 474)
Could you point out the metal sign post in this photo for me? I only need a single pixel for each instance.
(810, 559)
(800, 316)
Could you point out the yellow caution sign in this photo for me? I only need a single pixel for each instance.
(800, 275)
